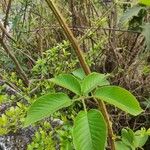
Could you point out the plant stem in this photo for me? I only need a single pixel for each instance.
(83, 64)
(6, 33)
(16, 62)
(84, 106)
(6, 17)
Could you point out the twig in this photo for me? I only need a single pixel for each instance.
(98, 22)
(6, 17)
(5, 32)
(14, 59)
(83, 27)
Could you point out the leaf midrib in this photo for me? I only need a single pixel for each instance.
(90, 131)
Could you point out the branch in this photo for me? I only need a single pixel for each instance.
(6, 17)
(5, 32)
(83, 64)
(14, 59)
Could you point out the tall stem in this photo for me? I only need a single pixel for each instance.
(83, 64)
(16, 62)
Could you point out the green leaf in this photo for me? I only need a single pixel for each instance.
(141, 137)
(148, 132)
(89, 131)
(93, 80)
(146, 34)
(67, 145)
(3, 98)
(121, 146)
(79, 73)
(141, 140)
(69, 82)
(128, 137)
(145, 2)
(45, 105)
(120, 98)
(130, 13)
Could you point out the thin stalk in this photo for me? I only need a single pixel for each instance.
(6, 17)
(98, 23)
(83, 64)
(6, 33)
(84, 105)
(16, 62)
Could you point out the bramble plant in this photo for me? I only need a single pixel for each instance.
(90, 129)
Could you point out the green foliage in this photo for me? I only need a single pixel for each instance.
(127, 137)
(13, 101)
(120, 145)
(146, 70)
(130, 13)
(43, 54)
(120, 98)
(146, 34)
(92, 56)
(3, 98)
(12, 119)
(56, 60)
(88, 84)
(135, 17)
(65, 136)
(89, 131)
(132, 140)
(42, 139)
(41, 65)
(79, 73)
(145, 2)
(66, 81)
(93, 80)
(45, 106)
